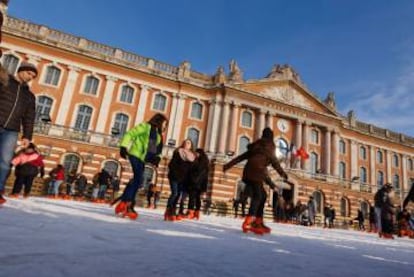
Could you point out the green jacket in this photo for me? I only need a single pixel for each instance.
(136, 140)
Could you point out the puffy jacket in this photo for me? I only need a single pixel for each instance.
(136, 140)
(17, 107)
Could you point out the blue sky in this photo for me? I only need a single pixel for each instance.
(361, 50)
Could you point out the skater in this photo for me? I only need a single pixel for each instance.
(104, 180)
(197, 184)
(387, 214)
(380, 198)
(409, 197)
(142, 144)
(311, 211)
(360, 217)
(57, 176)
(17, 112)
(178, 172)
(259, 155)
(28, 164)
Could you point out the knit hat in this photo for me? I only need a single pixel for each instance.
(267, 133)
(25, 66)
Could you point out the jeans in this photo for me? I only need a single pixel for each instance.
(8, 141)
(54, 187)
(138, 170)
(176, 189)
(102, 191)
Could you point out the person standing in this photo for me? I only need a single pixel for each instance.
(311, 211)
(141, 144)
(198, 179)
(28, 164)
(17, 111)
(259, 155)
(178, 173)
(57, 176)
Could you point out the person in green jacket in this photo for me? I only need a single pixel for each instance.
(141, 144)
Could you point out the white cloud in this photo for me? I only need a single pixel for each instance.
(388, 104)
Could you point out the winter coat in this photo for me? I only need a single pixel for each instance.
(179, 167)
(136, 141)
(17, 107)
(27, 164)
(379, 197)
(104, 178)
(198, 176)
(259, 155)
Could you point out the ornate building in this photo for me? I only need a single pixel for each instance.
(89, 94)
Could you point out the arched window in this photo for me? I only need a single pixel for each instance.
(318, 198)
(282, 149)
(70, 164)
(380, 158)
(396, 182)
(43, 106)
(243, 142)
(315, 136)
(344, 207)
(160, 102)
(196, 110)
(363, 175)
(247, 119)
(395, 161)
(342, 147)
(194, 136)
(10, 63)
(121, 123)
(410, 164)
(91, 85)
(380, 179)
(314, 159)
(52, 75)
(127, 94)
(365, 208)
(363, 153)
(111, 167)
(83, 118)
(342, 170)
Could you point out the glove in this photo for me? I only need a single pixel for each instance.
(123, 152)
(156, 161)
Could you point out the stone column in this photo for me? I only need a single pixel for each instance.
(298, 141)
(233, 128)
(172, 119)
(404, 177)
(327, 152)
(106, 104)
(215, 127)
(354, 159)
(305, 144)
(67, 95)
(335, 153)
(224, 128)
(388, 178)
(261, 124)
(178, 120)
(142, 104)
(269, 120)
(372, 162)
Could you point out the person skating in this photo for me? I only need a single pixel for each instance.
(142, 144)
(197, 184)
(28, 164)
(259, 155)
(178, 172)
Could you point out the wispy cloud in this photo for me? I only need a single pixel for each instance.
(388, 104)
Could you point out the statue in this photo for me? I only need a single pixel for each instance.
(220, 76)
(184, 69)
(236, 74)
(330, 100)
(276, 72)
(352, 118)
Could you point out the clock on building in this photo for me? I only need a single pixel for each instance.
(283, 125)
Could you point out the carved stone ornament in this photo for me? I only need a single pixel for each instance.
(287, 95)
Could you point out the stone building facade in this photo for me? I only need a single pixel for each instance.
(88, 94)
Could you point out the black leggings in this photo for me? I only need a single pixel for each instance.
(27, 181)
(194, 202)
(258, 198)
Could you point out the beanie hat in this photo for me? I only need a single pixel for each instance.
(267, 133)
(25, 66)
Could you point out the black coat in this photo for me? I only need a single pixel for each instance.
(17, 107)
(198, 176)
(178, 169)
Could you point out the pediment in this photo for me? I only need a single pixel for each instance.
(292, 94)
